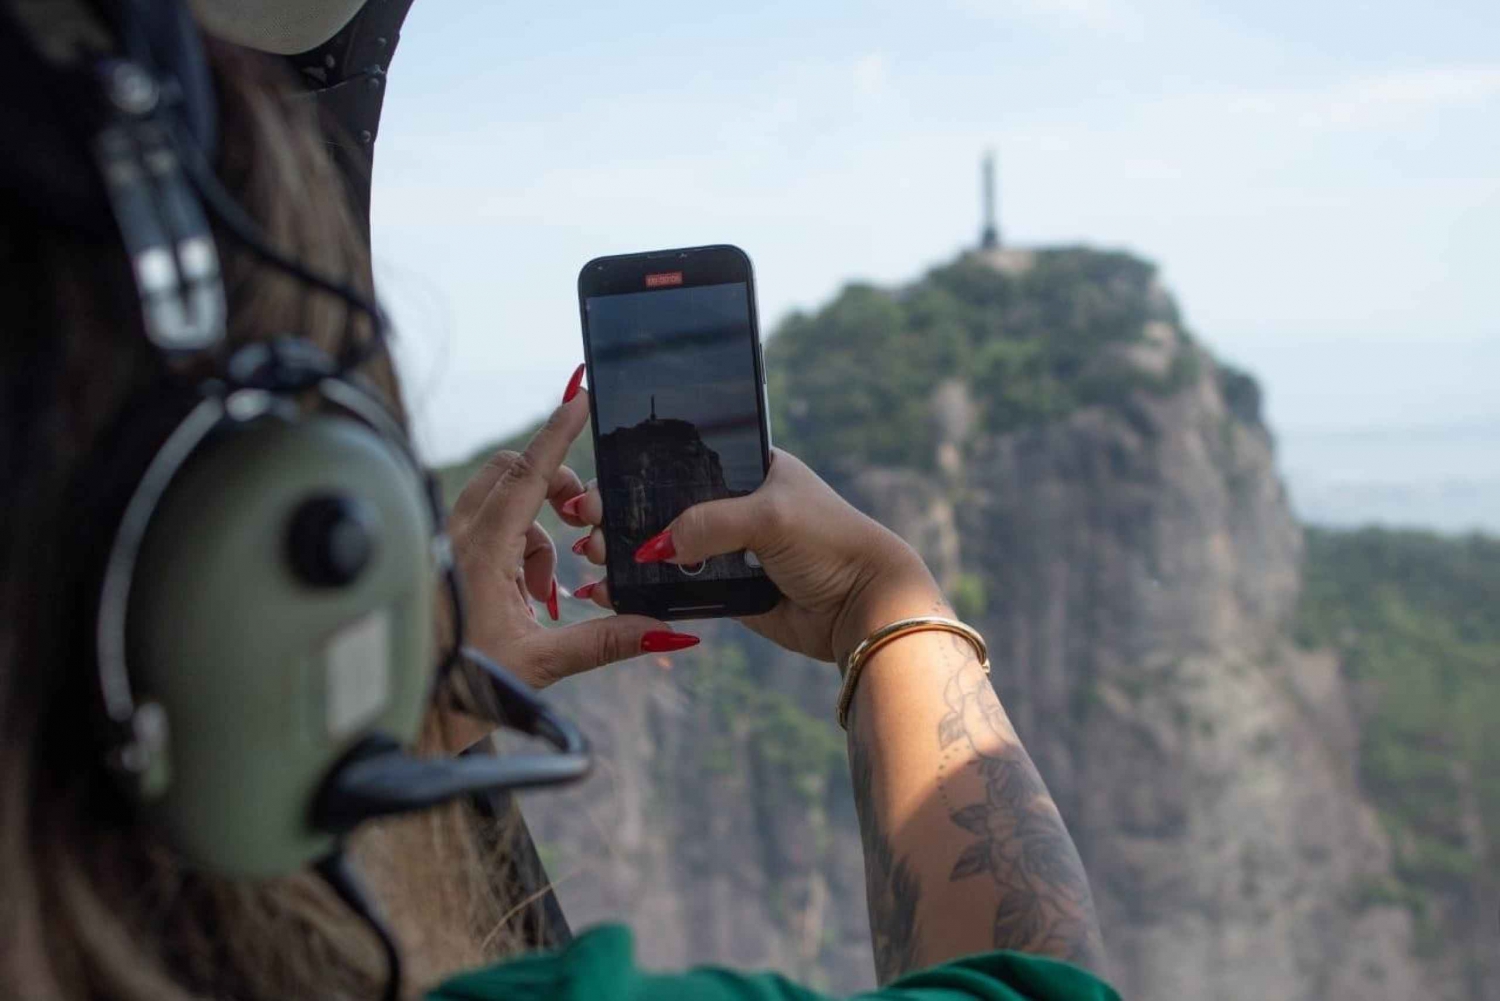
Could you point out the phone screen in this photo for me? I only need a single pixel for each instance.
(677, 406)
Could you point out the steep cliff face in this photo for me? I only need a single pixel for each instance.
(1140, 567)
(1104, 505)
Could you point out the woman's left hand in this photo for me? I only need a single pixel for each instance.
(505, 556)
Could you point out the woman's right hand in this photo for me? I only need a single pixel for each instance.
(842, 575)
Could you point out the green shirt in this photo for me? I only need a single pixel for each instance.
(599, 966)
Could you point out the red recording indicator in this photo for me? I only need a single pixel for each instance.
(665, 278)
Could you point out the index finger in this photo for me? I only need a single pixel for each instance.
(518, 493)
(562, 486)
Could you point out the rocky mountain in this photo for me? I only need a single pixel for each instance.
(1269, 743)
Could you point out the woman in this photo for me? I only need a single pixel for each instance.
(965, 852)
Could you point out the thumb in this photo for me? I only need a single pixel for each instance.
(569, 650)
(714, 528)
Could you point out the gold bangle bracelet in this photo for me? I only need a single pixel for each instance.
(855, 663)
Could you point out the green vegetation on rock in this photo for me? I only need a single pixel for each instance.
(727, 681)
(851, 384)
(1413, 618)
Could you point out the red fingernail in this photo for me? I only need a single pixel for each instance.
(571, 505)
(584, 591)
(552, 601)
(665, 641)
(657, 548)
(573, 384)
(582, 544)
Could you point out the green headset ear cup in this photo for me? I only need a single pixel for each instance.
(265, 680)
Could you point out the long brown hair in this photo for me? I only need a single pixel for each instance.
(91, 904)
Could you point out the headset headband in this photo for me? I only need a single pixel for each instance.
(346, 76)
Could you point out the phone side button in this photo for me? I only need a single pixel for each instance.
(760, 351)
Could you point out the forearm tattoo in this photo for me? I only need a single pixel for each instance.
(1043, 901)
(1044, 905)
(891, 887)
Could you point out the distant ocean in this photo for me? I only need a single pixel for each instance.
(1442, 477)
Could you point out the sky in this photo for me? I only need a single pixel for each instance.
(1319, 183)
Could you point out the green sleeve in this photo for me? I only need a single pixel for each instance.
(600, 966)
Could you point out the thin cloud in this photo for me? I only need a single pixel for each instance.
(871, 74)
(1377, 100)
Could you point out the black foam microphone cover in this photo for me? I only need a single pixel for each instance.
(379, 779)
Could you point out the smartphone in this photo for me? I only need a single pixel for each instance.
(677, 388)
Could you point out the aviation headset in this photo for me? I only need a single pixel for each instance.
(264, 632)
